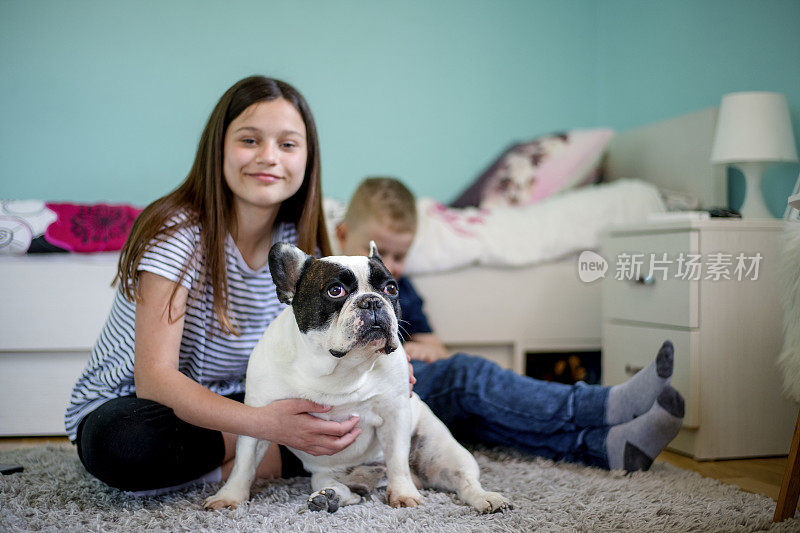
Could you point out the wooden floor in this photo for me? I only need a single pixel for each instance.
(13, 443)
(761, 476)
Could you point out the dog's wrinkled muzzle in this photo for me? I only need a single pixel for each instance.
(370, 303)
(376, 321)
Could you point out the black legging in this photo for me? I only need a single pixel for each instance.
(134, 444)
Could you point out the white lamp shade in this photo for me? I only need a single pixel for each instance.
(753, 126)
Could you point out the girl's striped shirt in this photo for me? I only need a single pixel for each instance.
(207, 355)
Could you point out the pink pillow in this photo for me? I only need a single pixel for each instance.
(87, 228)
(531, 171)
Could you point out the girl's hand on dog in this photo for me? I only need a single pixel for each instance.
(288, 422)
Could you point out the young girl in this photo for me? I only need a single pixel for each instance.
(159, 402)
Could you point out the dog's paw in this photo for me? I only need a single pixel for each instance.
(492, 502)
(403, 498)
(212, 504)
(226, 497)
(215, 503)
(324, 500)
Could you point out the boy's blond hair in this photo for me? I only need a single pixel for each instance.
(386, 200)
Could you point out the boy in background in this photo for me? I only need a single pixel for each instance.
(620, 427)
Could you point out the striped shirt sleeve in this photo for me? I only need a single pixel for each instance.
(168, 257)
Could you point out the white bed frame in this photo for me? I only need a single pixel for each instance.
(53, 307)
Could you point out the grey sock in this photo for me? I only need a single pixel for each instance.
(633, 445)
(634, 397)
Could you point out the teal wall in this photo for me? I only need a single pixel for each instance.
(105, 100)
(661, 59)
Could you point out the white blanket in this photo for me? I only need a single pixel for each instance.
(449, 238)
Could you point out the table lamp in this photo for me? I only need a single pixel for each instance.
(753, 131)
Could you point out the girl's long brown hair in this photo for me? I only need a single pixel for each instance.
(207, 200)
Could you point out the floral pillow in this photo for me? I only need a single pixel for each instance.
(531, 171)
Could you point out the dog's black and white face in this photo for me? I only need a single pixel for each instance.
(341, 303)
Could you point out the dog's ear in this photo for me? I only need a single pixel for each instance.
(286, 264)
(373, 251)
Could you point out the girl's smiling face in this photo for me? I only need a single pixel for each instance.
(265, 155)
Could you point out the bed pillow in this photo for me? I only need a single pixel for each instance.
(531, 171)
(36, 226)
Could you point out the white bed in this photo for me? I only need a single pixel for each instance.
(505, 312)
(52, 307)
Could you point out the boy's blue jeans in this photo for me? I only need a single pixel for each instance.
(481, 402)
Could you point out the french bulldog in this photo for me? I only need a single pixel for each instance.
(337, 344)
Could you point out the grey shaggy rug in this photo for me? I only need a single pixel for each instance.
(56, 494)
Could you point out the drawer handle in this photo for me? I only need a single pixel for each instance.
(632, 369)
(645, 280)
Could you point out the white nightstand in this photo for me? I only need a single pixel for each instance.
(727, 332)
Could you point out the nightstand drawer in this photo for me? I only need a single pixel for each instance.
(655, 291)
(629, 348)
